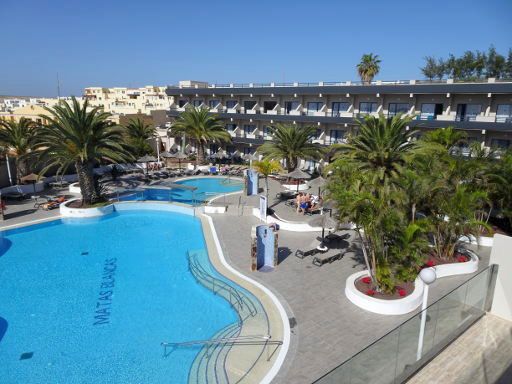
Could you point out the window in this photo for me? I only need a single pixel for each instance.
(367, 107)
(230, 104)
(397, 108)
(335, 136)
(181, 103)
(430, 111)
(504, 113)
(249, 104)
(197, 103)
(230, 127)
(213, 103)
(467, 112)
(500, 143)
(249, 129)
(338, 107)
(246, 150)
(266, 131)
(269, 105)
(290, 106)
(314, 106)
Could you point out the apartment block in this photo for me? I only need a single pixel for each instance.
(482, 109)
(124, 101)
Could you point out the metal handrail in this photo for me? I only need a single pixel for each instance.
(263, 339)
(217, 285)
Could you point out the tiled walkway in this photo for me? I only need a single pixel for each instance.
(481, 355)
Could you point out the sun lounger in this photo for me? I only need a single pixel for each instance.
(323, 259)
(302, 254)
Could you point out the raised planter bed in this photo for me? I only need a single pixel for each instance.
(403, 305)
(66, 210)
(381, 306)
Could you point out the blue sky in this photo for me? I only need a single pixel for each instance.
(137, 43)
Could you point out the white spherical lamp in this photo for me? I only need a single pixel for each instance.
(428, 275)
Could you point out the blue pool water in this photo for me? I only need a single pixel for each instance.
(90, 301)
(207, 187)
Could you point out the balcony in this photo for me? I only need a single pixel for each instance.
(446, 118)
(504, 119)
(316, 113)
(426, 117)
(466, 118)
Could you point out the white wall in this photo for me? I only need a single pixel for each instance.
(501, 254)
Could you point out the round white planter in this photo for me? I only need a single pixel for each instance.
(66, 211)
(453, 269)
(408, 303)
(383, 307)
(483, 241)
(75, 188)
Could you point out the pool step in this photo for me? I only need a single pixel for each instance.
(209, 364)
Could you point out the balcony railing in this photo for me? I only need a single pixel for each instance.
(504, 119)
(466, 118)
(341, 83)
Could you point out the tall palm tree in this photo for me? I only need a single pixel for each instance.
(75, 135)
(369, 67)
(138, 134)
(291, 143)
(19, 139)
(202, 127)
(381, 145)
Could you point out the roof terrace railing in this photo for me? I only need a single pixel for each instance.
(341, 83)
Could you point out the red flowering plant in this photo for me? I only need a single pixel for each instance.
(402, 292)
(462, 259)
(366, 280)
(370, 292)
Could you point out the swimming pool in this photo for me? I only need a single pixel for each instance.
(90, 300)
(207, 187)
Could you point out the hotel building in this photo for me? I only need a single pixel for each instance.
(482, 109)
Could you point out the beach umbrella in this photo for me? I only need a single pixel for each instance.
(319, 183)
(166, 154)
(323, 221)
(146, 159)
(180, 156)
(298, 174)
(32, 178)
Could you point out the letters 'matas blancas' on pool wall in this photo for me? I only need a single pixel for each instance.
(108, 282)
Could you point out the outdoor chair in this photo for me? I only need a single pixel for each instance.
(302, 254)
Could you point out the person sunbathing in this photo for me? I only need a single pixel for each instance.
(305, 204)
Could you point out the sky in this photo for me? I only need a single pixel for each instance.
(136, 43)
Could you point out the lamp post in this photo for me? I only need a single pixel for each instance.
(428, 276)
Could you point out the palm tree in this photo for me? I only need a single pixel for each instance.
(381, 145)
(138, 134)
(446, 137)
(369, 67)
(202, 127)
(266, 168)
(75, 135)
(291, 143)
(19, 139)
